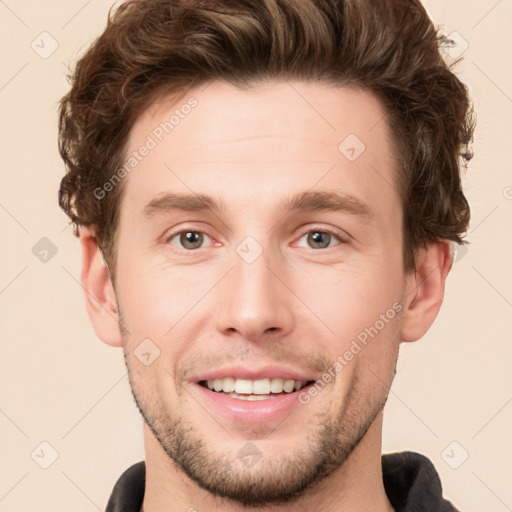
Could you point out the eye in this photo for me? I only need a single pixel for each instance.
(321, 238)
(188, 239)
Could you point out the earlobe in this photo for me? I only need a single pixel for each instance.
(425, 290)
(100, 298)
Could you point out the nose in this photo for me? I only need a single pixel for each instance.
(256, 300)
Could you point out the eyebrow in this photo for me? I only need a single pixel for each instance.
(306, 201)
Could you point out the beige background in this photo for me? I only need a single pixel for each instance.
(61, 385)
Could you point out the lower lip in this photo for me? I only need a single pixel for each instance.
(251, 411)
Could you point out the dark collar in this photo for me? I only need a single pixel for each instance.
(410, 480)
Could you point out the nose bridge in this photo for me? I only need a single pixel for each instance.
(254, 299)
(253, 278)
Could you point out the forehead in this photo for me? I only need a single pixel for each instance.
(272, 137)
(280, 108)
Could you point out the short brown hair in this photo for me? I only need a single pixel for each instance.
(388, 47)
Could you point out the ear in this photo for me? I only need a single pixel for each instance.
(100, 298)
(425, 290)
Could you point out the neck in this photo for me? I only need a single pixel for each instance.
(356, 485)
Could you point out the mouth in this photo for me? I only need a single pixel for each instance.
(253, 395)
(253, 402)
(253, 390)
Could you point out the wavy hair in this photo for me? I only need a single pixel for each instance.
(390, 48)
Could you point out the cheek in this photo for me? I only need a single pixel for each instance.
(346, 300)
(170, 307)
(155, 300)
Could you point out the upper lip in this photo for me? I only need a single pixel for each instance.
(253, 373)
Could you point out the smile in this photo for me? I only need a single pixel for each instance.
(252, 401)
(260, 389)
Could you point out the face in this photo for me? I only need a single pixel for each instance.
(260, 248)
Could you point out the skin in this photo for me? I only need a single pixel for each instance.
(299, 304)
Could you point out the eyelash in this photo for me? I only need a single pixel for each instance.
(335, 234)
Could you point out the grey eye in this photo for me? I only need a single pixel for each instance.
(189, 240)
(319, 239)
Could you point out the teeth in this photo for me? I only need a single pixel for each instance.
(250, 398)
(228, 385)
(261, 387)
(243, 386)
(289, 386)
(254, 387)
(276, 385)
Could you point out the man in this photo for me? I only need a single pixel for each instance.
(266, 192)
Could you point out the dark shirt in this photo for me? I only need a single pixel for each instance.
(410, 480)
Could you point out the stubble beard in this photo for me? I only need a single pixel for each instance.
(269, 481)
